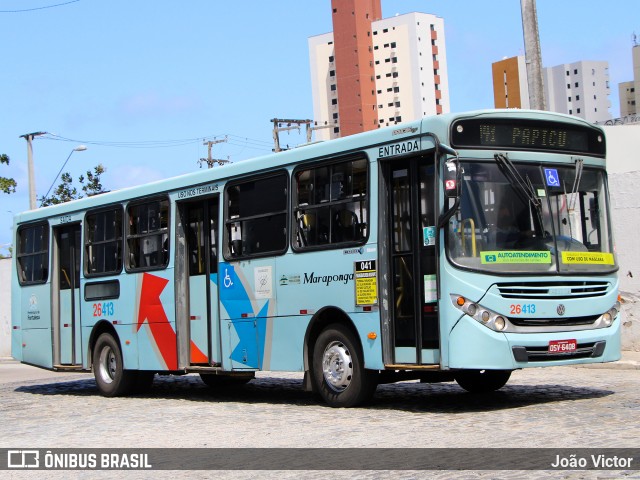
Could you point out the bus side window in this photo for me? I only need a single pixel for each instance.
(337, 212)
(147, 238)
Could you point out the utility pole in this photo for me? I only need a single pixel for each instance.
(209, 160)
(290, 125)
(533, 57)
(32, 182)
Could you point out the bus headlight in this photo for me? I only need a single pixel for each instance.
(483, 315)
(609, 316)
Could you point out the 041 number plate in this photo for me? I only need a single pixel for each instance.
(562, 346)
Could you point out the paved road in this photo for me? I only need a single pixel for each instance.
(551, 407)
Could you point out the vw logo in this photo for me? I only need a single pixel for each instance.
(560, 309)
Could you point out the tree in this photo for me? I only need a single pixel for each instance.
(7, 185)
(67, 191)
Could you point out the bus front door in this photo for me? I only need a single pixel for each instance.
(412, 260)
(65, 313)
(200, 229)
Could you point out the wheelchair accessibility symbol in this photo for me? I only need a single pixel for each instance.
(227, 279)
(552, 178)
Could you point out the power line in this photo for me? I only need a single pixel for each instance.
(233, 140)
(39, 8)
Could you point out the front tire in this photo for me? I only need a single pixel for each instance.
(108, 368)
(338, 369)
(482, 381)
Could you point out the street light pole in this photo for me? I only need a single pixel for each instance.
(79, 148)
(32, 183)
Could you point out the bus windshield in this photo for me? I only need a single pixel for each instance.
(526, 218)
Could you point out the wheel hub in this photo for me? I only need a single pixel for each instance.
(337, 366)
(108, 365)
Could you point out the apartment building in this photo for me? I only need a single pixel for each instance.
(409, 79)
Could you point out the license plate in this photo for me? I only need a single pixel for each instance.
(562, 346)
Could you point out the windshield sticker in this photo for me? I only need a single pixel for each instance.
(507, 256)
(551, 176)
(596, 258)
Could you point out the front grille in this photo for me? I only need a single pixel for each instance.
(554, 322)
(541, 354)
(553, 290)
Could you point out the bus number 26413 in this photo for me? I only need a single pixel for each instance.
(103, 309)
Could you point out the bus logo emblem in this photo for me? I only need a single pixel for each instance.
(560, 309)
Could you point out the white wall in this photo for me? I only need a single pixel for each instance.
(623, 166)
(5, 307)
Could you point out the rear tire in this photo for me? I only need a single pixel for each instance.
(482, 381)
(108, 368)
(338, 369)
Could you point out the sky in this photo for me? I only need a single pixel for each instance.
(143, 83)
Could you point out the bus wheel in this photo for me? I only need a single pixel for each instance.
(482, 381)
(224, 381)
(112, 379)
(339, 373)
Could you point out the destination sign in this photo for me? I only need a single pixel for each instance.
(527, 135)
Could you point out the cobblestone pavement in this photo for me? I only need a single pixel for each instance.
(551, 407)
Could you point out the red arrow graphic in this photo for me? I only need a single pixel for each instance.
(152, 311)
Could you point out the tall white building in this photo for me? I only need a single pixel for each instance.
(580, 89)
(410, 68)
(630, 91)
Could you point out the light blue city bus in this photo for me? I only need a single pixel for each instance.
(459, 248)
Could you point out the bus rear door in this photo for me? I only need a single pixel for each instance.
(197, 261)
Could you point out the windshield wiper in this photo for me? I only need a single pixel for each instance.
(524, 189)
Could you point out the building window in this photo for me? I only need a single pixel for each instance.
(335, 116)
(394, 74)
(385, 30)
(331, 204)
(103, 242)
(567, 73)
(332, 73)
(398, 119)
(256, 217)
(394, 59)
(33, 254)
(396, 89)
(577, 97)
(397, 104)
(333, 87)
(393, 44)
(576, 84)
(336, 130)
(334, 101)
(331, 58)
(575, 72)
(578, 110)
(568, 85)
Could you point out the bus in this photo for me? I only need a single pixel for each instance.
(459, 247)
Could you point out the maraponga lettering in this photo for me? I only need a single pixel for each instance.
(327, 279)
